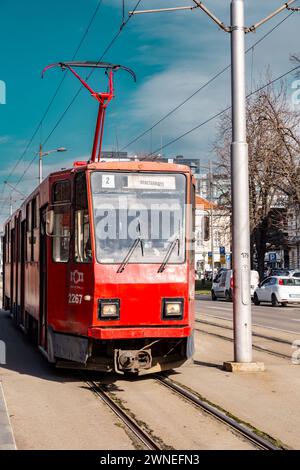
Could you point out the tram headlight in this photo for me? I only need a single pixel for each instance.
(109, 309)
(173, 309)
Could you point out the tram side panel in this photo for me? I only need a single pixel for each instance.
(32, 259)
(6, 271)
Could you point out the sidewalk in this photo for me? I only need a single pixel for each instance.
(268, 401)
(7, 441)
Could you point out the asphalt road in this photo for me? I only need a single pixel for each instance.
(279, 318)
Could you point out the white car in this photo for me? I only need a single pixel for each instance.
(222, 286)
(278, 290)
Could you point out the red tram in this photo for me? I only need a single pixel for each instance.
(99, 269)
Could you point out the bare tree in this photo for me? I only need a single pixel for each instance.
(274, 171)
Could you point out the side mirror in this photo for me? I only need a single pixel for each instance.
(49, 222)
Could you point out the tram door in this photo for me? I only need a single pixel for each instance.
(12, 271)
(43, 281)
(22, 274)
(16, 271)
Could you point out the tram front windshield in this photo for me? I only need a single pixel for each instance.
(141, 210)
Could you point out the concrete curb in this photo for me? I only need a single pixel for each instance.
(7, 440)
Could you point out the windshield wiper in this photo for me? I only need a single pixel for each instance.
(137, 241)
(167, 257)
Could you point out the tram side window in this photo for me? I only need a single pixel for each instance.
(7, 244)
(62, 222)
(193, 202)
(33, 226)
(28, 234)
(13, 245)
(34, 213)
(82, 246)
(4, 251)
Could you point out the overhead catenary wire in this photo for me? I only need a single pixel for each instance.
(108, 47)
(293, 9)
(205, 85)
(212, 79)
(215, 116)
(168, 114)
(57, 89)
(40, 123)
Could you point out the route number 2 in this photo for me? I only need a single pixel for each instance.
(108, 181)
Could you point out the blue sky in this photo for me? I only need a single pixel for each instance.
(172, 54)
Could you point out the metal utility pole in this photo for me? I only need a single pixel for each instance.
(40, 164)
(240, 191)
(11, 199)
(239, 173)
(210, 181)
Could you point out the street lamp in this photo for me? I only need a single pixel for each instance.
(44, 154)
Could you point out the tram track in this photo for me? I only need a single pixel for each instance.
(214, 411)
(255, 346)
(143, 437)
(255, 335)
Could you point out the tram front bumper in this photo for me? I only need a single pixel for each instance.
(110, 333)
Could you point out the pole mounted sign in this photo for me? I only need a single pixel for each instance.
(272, 257)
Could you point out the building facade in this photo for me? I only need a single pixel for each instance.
(212, 237)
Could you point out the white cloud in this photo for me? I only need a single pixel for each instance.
(190, 50)
(177, 53)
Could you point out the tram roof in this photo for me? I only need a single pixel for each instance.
(137, 165)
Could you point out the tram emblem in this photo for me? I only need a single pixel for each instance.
(76, 277)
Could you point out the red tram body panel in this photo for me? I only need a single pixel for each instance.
(99, 269)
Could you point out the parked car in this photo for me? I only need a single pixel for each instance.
(296, 274)
(223, 284)
(278, 290)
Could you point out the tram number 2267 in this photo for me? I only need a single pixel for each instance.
(75, 299)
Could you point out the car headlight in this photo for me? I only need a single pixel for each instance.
(172, 308)
(109, 309)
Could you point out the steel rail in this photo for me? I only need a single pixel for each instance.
(258, 348)
(257, 335)
(212, 410)
(143, 437)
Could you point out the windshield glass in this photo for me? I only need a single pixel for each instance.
(131, 206)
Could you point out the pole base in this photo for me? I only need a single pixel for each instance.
(244, 366)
